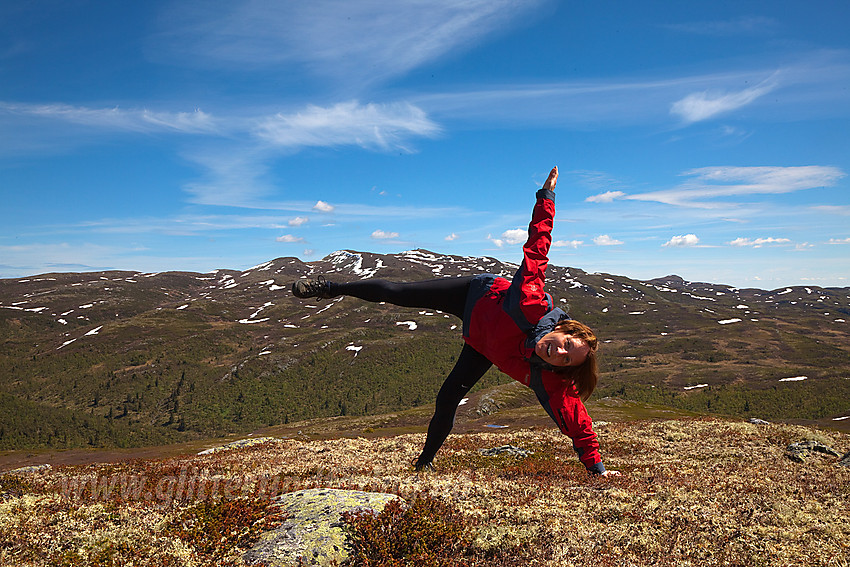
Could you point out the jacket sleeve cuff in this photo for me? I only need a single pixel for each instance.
(546, 194)
(598, 468)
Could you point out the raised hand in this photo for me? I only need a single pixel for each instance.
(552, 179)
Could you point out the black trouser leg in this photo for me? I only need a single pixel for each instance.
(444, 294)
(447, 295)
(469, 368)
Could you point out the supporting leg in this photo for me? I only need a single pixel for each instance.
(469, 368)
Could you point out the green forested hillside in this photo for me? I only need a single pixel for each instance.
(127, 359)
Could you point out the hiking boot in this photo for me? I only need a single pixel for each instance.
(424, 466)
(320, 288)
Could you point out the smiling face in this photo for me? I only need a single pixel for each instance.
(560, 349)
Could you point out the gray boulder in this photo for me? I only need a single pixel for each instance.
(29, 469)
(313, 532)
(801, 450)
(845, 460)
(487, 405)
(506, 450)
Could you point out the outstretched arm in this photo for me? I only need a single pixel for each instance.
(527, 302)
(536, 250)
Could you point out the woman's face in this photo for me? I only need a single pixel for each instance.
(560, 349)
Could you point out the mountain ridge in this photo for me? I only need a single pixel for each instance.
(123, 358)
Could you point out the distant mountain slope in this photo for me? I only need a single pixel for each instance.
(126, 358)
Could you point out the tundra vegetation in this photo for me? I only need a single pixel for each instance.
(701, 491)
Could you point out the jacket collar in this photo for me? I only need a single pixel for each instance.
(544, 325)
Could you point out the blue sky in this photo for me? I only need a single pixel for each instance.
(708, 140)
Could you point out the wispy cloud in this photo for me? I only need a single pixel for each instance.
(567, 243)
(237, 178)
(843, 210)
(706, 104)
(119, 119)
(839, 241)
(289, 238)
(733, 181)
(358, 42)
(810, 84)
(211, 224)
(62, 256)
(383, 235)
(236, 151)
(382, 126)
(605, 197)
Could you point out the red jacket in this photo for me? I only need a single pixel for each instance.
(505, 319)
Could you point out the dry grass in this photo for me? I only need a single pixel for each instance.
(694, 492)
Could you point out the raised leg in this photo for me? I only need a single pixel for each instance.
(444, 294)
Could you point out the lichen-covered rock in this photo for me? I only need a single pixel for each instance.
(802, 449)
(29, 469)
(238, 444)
(487, 405)
(506, 450)
(845, 460)
(313, 531)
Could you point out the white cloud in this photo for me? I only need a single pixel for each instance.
(758, 242)
(728, 181)
(567, 243)
(323, 207)
(119, 119)
(704, 105)
(289, 238)
(451, 237)
(382, 126)
(682, 240)
(606, 197)
(809, 88)
(843, 210)
(515, 236)
(605, 240)
(839, 241)
(358, 41)
(194, 122)
(298, 221)
(382, 235)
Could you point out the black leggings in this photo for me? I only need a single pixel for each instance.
(443, 294)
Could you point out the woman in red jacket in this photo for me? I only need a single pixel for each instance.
(512, 324)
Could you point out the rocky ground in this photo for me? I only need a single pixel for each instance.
(695, 491)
